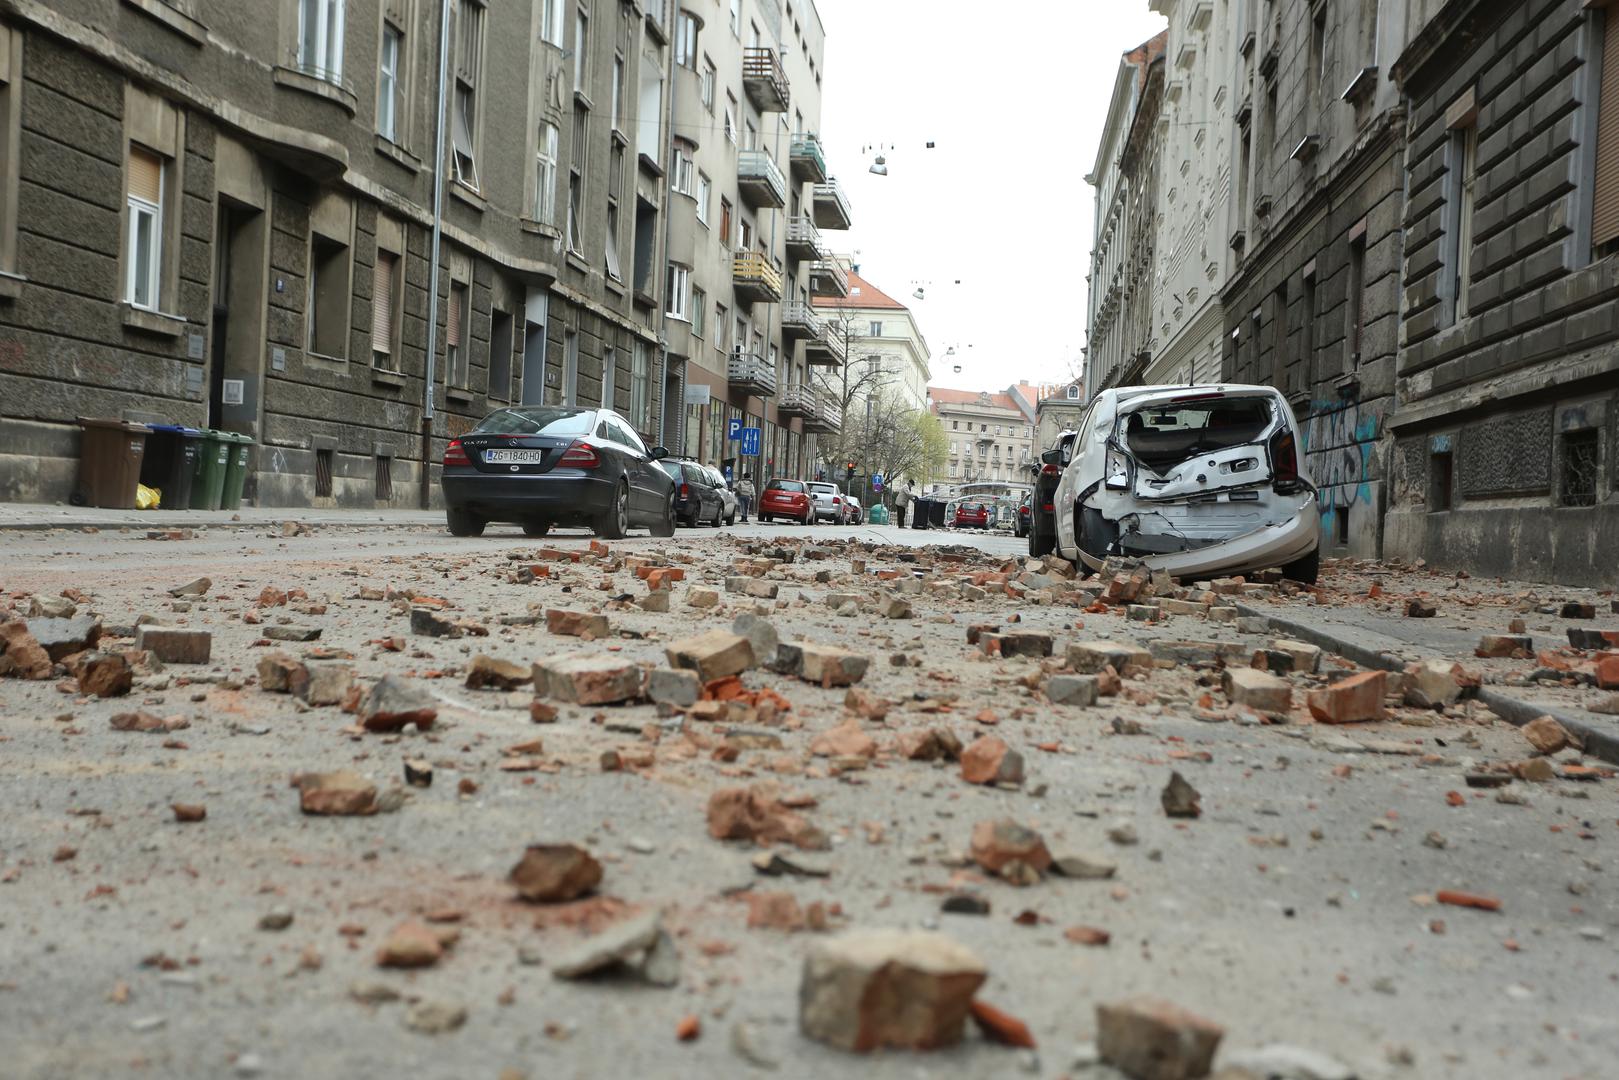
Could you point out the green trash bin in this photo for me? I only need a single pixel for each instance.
(877, 515)
(208, 484)
(237, 447)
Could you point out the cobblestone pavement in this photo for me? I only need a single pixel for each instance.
(1422, 895)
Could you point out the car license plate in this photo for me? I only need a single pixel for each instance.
(514, 457)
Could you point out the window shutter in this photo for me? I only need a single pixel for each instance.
(1605, 196)
(145, 175)
(452, 326)
(382, 303)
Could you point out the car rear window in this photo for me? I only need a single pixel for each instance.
(537, 421)
(1168, 435)
(785, 485)
(671, 467)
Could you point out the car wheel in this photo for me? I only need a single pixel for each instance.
(1097, 535)
(462, 523)
(1306, 571)
(665, 525)
(614, 524)
(719, 519)
(730, 519)
(536, 527)
(764, 519)
(1039, 543)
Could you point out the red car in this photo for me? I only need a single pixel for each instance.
(972, 516)
(786, 499)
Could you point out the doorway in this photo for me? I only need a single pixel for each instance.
(236, 341)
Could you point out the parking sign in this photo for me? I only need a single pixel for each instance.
(750, 442)
(733, 429)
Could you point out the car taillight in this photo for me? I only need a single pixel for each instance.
(1048, 470)
(1048, 508)
(685, 491)
(456, 454)
(1284, 458)
(580, 455)
(1117, 469)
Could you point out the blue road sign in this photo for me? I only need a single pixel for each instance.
(876, 481)
(733, 430)
(750, 442)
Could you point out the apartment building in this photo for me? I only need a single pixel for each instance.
(1119, 333)
(1060, 409)
(223, 217)
(887, 353)
(751, 225)
(1191, 257)
(1504, 440)
(991, 436)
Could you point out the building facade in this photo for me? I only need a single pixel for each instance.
(1119, 335)
(887, 353)
(1191, 257)
(991, 436)
(1312, 305)
(1504, 439)
(224, 219)
(1056, 412)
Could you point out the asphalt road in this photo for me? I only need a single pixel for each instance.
(1298, 909)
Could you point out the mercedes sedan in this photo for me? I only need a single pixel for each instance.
(541, 465)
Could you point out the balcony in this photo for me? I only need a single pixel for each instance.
(803, 240)
(825, 419)
(764, 80)
(799, 401)
(750, 373)
(830, 206)
(826, 349)
(754, 279)
(806, 159)
(827, 277)
(800, 321)
(759, 180)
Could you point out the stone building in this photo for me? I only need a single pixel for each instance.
(1508, 378)
(1118, 326)
(221, 214)
(991, 436)
(1191, 256)
(1060, 409)
(1313, 300)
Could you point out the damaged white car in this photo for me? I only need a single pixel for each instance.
(1200, 481)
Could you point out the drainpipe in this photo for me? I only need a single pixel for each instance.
(433, 257)
(668, 219)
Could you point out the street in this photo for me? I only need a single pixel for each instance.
(1424, 895)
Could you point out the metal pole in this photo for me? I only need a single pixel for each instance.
(433, 256)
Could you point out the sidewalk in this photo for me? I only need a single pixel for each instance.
(16, 516)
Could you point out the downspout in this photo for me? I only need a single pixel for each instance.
(433, 256)
(668, 224)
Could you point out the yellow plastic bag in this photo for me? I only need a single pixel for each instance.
(147, 498)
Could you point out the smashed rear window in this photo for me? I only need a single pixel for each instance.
(1165, 436)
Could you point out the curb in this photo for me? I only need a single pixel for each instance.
(1599, 740)
(79, 525)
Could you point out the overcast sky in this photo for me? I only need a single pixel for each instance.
(1014, 95)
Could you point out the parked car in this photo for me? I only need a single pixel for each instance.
(541, 466)
(697, 501)
(853, 512)
(828, 501)
(1201, 481)
(786, 499)
(728, 497)
(972, 515)
(1020, 522)
(1042, 530)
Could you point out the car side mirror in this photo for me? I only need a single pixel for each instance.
(1051, 457)
(657, 453)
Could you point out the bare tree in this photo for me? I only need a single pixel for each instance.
(852, 388)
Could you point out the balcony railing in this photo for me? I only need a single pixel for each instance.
(806, 159)
(831, 206)
(804, 240)
(826, 349)
(759, 180)
(750, 373)
(828, 278)
(800, 321)
(764, 79)
(798, 400)
(826, 418)
(754, 279)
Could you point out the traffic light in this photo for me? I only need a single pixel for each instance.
(850, 474)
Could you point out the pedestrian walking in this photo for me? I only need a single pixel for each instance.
(902, 500)
(744, 495)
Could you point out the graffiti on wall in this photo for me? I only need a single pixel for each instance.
(1339, 440)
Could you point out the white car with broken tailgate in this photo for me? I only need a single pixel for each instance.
(1200, 481)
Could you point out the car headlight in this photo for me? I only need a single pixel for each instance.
(1118, 469)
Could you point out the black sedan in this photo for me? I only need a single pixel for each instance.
(541, 465)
